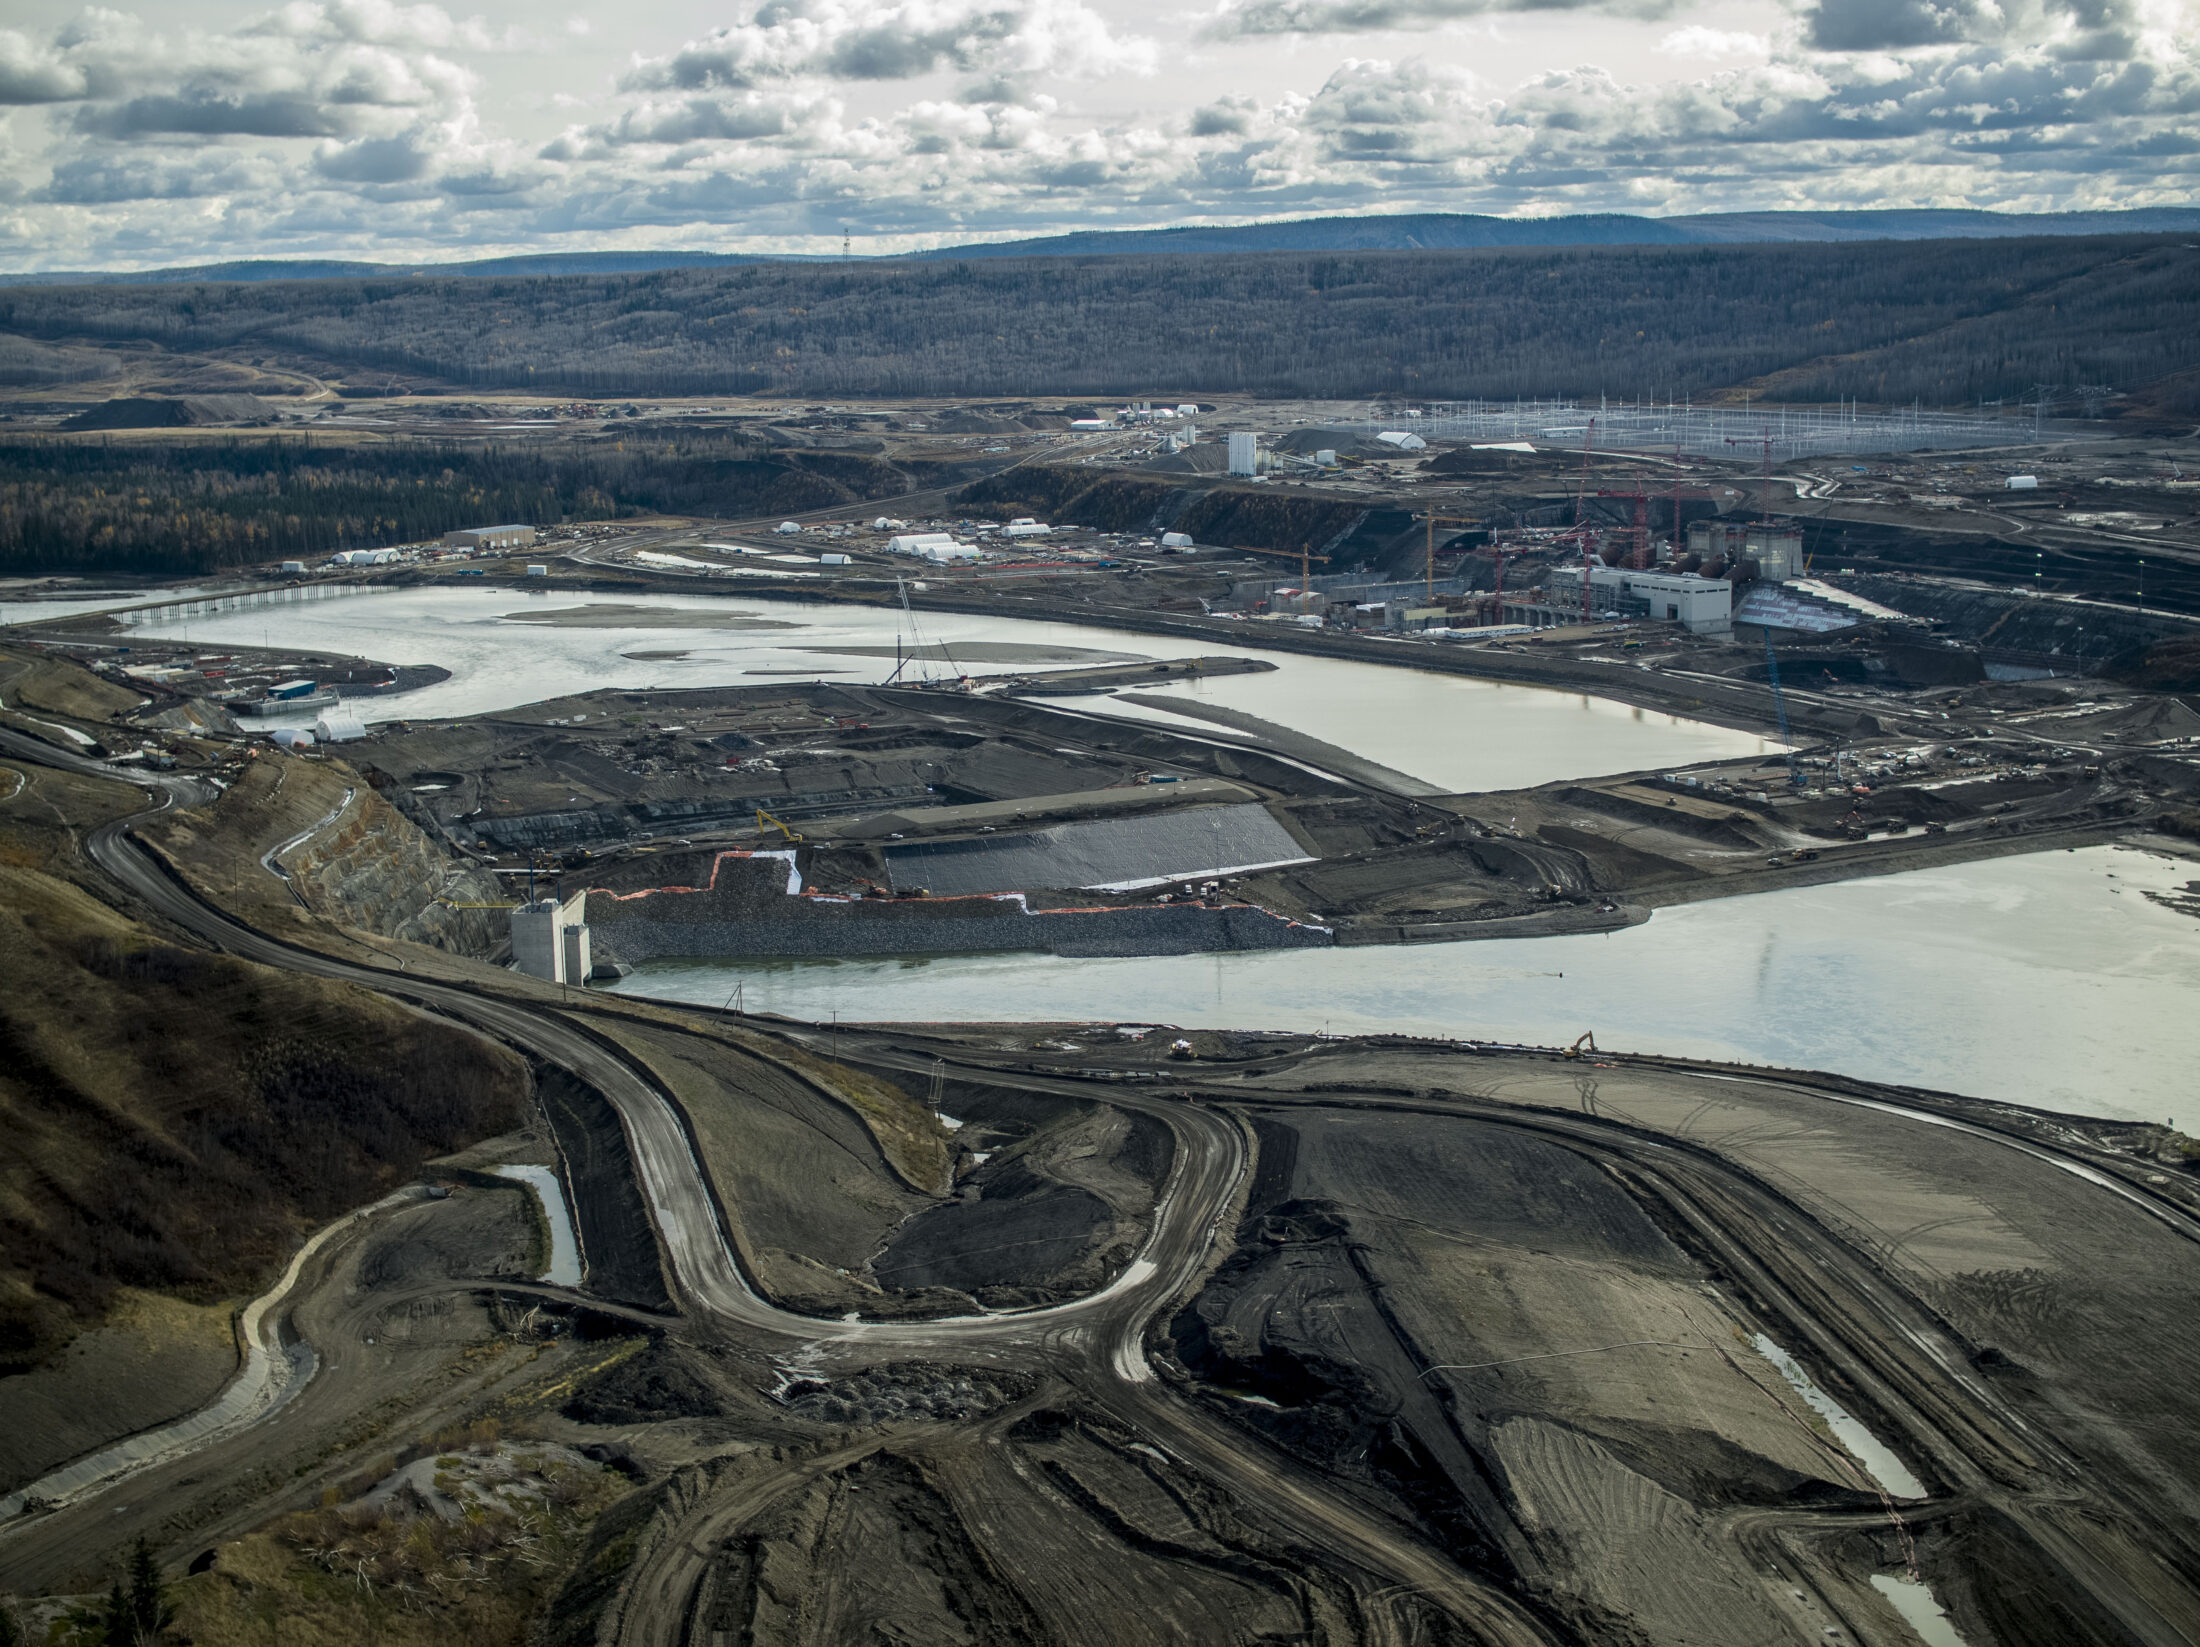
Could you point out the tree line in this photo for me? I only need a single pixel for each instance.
(69, 505)
(1944, 322)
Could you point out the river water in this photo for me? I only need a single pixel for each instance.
(1453, 733)
(2049, 980)
(106, 600)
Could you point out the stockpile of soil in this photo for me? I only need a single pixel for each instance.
(190, 412)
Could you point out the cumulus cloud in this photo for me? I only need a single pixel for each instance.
(357, 125)
(896, 40)
(34, 72)
(1225, 117)
(2078, 29)
(109, 178)
(1698, 41)
(129, 83)
(202, 112)
(1238, 19)
(376, 23)
(376, 160)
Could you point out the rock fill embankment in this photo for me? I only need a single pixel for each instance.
(2088, 635)
(748, 908)
(1102, 852)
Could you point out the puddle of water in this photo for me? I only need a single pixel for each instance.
(1918, 1609)
(1880, 1462)
(565, 1252)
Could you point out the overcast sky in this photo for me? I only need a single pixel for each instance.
(192, 130)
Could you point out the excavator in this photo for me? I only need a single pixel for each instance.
(1587, 1038)
(764, 821)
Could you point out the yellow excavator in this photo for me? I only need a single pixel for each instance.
(764, 821)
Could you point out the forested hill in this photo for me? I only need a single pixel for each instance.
(1943, 322)
(1370, 232)
(1442, 231)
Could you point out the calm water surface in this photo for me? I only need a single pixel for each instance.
(2045, 980)
(106, 600)
(2048, 980)
(1454, 733)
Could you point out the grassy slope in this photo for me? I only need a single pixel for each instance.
(36, 680)
(171, 1120)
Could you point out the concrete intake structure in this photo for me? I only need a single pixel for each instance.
(550, 940)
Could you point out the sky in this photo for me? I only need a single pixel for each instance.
(197, 130)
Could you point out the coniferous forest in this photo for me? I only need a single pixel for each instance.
(156, 508)
(1943, 322)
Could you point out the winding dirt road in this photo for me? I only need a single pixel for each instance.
(1095, 1341)
(1913, 1374)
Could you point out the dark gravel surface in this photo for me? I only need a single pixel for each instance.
(1175, 929)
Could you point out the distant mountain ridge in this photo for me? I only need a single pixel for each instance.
(1448, 231)
(1419, 231)
(539, 263)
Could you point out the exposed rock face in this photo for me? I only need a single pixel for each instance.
(376, 870)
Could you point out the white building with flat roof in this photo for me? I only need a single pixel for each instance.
(490, 537)
(1703, 606)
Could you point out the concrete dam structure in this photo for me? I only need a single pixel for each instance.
(753, 905)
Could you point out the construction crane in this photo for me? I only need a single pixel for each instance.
(1679, 547)
(1499, 552)
(1581, 514)
(1640, 530)
(764, 821)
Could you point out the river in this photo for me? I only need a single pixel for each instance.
(106, 600)
(2048, 979)
(505, 648)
